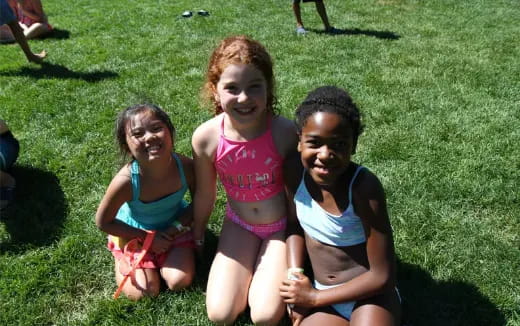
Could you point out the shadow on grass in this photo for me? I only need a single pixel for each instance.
(51, 70)
(430, 302)
(36, 215)
(59, 34)
(210, 249)
(356, 31)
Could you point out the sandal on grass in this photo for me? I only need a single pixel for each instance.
(300, 30)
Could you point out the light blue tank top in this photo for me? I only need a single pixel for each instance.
(156, 215)
(343, 230)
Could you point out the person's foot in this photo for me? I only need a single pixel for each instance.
(300, 30)
(37, 57)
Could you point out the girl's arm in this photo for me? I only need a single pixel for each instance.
(119, 191)
(203, 147)
(370, 206)
(295, 241)
(187, 164)
(285, 137)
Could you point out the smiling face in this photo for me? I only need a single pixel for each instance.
(325, 145)
(242, 92)
(147, 137)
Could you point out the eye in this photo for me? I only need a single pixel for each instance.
(137, 133)
(231, 89)
(312, 143)
(157, 128)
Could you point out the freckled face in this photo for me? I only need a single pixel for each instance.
(242, 92)
(326, 147)
(147, 137)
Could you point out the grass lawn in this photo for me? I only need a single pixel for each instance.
(437, 82)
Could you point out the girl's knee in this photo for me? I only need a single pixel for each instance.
(180, 282)
(137, 294)
(222, 316)
(263, 316)
(224, 309)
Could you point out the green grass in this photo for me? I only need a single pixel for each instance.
(437, 82)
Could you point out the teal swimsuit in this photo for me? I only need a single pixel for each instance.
(156, 215)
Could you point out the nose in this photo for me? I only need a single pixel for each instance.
(149, 136)
(243, 97)
(325, 153)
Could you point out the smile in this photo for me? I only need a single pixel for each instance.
(244, 110)
(153, 149)
(321, 170)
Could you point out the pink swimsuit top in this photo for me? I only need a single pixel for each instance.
(249, 170)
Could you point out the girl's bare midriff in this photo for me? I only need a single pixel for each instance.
(336, 265)
(261, 212)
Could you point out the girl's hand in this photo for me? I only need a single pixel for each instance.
(176, 230)
(298, 292)
(297, 314)
(161, 242)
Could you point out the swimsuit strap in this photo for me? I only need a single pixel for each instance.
(359, 168)
(134, 173)
(181, 170)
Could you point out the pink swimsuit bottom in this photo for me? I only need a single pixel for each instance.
(263, 231)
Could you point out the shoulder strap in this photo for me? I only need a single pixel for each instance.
(134, 174)
(181, 170)
(359, 168)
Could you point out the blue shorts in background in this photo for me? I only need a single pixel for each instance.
(6, 13)
(9, 148)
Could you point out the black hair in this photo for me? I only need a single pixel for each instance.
(124, 116)
(333, 100)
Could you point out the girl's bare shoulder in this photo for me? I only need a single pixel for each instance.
(367, 185)
(187, 162)
(205, 134)
(123, 175)
(284, 135)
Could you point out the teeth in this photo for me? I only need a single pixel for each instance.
(153, 148)
(243, 110)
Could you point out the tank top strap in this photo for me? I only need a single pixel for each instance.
(134, 174)
(359, 168)
(181, 170)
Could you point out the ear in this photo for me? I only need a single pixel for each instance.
(215, 93)
(299, 145)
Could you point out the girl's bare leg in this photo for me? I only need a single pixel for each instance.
(384, 310)
(179, 269)
(144, 282)
(230, 274)
(267, 307)
(324, 316)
